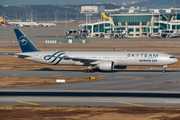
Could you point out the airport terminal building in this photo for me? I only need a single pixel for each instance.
(138, 23)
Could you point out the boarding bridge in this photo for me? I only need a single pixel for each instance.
(77, 34)
(169, 33)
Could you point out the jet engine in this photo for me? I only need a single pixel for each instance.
(106, 65)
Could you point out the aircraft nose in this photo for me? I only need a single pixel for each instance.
(176, 60)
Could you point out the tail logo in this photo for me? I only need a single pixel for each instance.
(23, 40)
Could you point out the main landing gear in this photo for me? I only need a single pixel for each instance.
(164, 68)
(89, 70)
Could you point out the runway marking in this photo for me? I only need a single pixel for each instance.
(15, 74)
(102, 76)
(58, 75)
(131, 77)
(132, 104)
(150, 87)
(27, 102)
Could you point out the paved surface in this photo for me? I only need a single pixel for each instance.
(33, 33)
(120, 88)
(123, 87)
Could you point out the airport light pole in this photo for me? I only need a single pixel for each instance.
(4, 16)
(16, 15)
(86, 20)
(26, 15)
(66, 18)
(176, 19)
(47, 14)
(36, 15)
(55, 17)
(159, 21)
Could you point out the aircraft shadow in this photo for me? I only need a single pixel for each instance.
(113, 71)
(92, 94)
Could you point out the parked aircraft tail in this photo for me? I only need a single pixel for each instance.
(104, 16)
(25, 44)
(4, 22)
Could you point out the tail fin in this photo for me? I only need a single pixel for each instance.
(104, 16)
(25, 44)
(4, 22)
(32, 21)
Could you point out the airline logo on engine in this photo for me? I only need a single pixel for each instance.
(141, 55)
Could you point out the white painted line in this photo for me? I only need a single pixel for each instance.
(60, 80)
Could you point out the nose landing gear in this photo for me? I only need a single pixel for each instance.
(164, 68)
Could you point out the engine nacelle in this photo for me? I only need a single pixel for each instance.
(106, 65)
(120, 67)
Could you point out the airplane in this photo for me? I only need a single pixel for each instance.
(2, 21)
(47, 24)
(23, 24)
(102, 60)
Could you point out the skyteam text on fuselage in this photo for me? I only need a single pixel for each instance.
(102, 60)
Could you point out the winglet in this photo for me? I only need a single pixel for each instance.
(25, 44)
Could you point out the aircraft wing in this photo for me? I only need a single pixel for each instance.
(83, 60)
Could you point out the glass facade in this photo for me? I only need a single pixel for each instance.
(144, 23)
(134, 23)
(134, 19)
(174, 27)
(137, 34)
(137, 29)
(123, 28)
(95, 28)
(155, 30)
(144, 29)
(130, 34)
(89, 27)
(131, 29)
(163, 26)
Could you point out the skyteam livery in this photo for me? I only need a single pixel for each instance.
(105, 61)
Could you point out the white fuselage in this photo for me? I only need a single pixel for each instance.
(119, 58)
(23, 24)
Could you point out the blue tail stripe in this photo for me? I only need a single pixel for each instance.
(25, 44)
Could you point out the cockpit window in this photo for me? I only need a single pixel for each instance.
(172, 57)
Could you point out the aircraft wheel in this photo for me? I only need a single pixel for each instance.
(92, 71)
(85, 71)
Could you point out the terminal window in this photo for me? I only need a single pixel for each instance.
(131, 29)
(130, 34)
(137, 29)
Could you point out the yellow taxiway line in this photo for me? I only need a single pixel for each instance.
(15, 74)
(28, 103)
(132, 104)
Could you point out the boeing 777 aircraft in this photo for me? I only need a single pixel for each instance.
(102, 60)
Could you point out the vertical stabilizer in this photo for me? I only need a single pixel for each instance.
(25, 44)
(4, 22)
